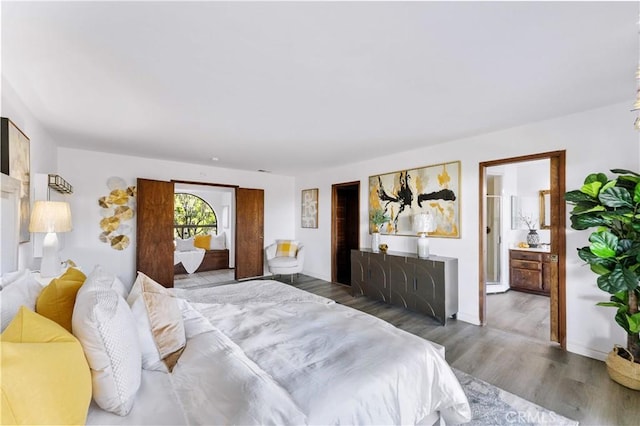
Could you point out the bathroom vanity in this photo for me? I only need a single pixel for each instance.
(530, 270)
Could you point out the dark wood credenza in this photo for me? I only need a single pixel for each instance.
(428, 286)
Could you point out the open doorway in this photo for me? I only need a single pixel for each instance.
(518, 247)
(512, 259)
(204, 235)
(345, 229)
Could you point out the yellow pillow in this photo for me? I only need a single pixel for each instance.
(202, 241)
(286, 248)
(56, 300)
(44, 376)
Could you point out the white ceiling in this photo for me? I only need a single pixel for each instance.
(298, 86)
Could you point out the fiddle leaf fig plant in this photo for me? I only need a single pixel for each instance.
(612, 207)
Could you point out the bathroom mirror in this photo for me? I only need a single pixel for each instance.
(545, 209)
(524, 208)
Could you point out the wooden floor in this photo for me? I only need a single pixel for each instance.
(571, 385)
(521, 313)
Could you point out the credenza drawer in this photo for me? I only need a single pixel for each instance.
(526, 255)
(526, 264)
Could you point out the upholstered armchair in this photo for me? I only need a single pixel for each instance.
(285, 262)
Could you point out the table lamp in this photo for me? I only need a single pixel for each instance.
(50, 217)
(423, 223)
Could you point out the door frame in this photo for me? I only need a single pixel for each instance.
(557, 174)
(334, 225)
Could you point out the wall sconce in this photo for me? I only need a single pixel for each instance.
(62, 186)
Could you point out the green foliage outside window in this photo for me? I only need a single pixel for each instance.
(192, 216)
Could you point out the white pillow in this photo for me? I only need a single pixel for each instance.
(24, 290)
(121, 288)
(101, 278)
(12, 277)
(104, 325)
(159, 324)
(218, 242)
(184, 245)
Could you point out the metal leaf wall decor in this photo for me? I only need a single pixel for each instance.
(117, 209)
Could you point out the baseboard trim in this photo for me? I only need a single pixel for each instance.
(588, 352)
(471, 319)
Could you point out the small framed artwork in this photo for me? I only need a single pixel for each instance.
(309, 208)
(14, 155)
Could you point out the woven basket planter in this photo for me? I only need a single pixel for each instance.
(623, 371)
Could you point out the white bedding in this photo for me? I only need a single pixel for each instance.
(266, 291)
(279, 355)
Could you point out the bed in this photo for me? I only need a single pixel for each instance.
(280, 355)
(253, 353)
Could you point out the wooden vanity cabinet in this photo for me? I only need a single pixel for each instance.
(530, 271)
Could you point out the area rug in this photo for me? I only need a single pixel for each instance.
(491, 406)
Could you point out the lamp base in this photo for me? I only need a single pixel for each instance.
(423, 246)
(50, 266)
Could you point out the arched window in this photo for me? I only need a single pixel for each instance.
(192, 216)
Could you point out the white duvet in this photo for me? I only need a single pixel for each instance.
(279, 355)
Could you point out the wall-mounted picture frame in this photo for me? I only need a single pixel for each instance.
(309, 210)
(401, 195)
(15, 162)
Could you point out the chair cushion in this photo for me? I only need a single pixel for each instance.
(283, 262)
(286, 248)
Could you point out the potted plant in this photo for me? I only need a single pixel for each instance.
(377, 217)
(612, 207)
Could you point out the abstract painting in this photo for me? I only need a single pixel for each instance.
(15, 157)
(310, 208)
(401, 195)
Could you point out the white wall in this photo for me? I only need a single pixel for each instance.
(43, 155)
(88, 172)
(595, 140)
(532, 177)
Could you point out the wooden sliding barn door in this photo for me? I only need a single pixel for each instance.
(154, 230)
(249, 233)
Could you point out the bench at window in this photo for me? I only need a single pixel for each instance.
(213, 260)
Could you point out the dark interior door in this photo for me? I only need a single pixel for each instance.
(346, 229)
(249, 233)
(154, 230)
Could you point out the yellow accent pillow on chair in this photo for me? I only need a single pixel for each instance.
(56, 301)
(286, 248)
(44, 376)
(202, 241)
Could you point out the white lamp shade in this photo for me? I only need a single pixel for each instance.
(50, 216)
(423, 223)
